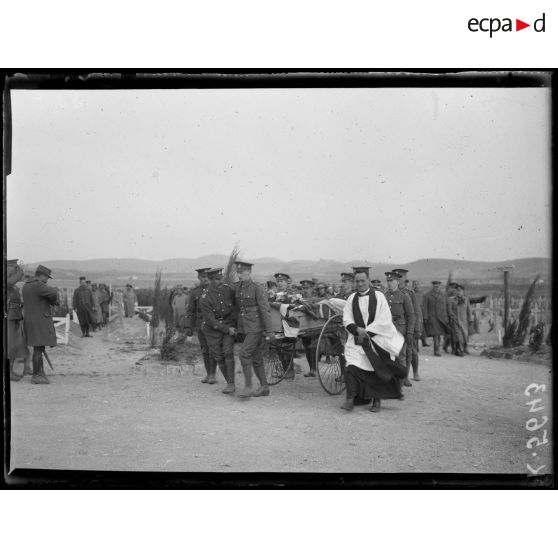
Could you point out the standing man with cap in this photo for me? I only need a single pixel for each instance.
(449, 340)
(415, 285)
(254, 320)
(347, 282)
(219, 325)
(38, 298)
(436, 320)
(373, 343)
(282, 280)
(130, 299)
(412, 350)
(403, 317)
(83, 305)
(376, 284)
(194, 321)
(460, 319)
(309, 343)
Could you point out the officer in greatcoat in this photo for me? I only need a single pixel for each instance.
(412, 350)
(403, 317)
(194, 322)
(82, 303)
(254, 322)
(435, 314)
(38, 299)
(219, 325)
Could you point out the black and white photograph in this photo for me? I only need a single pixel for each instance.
(276, 274)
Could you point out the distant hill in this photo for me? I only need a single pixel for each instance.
(181, 270)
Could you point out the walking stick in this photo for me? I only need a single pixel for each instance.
(48, 359)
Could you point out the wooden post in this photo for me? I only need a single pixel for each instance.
(506, 270)
(506, 299)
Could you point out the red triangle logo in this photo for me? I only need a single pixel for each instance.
(519, 25)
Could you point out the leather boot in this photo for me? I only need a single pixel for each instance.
(415, 365)
(229, 369)
(38, 370)
(263, 390)
(247, 391)
(376, 405)
(207, 366)
(13, 376)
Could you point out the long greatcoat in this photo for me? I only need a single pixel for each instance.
(38, 299)
(460, 317)
(17, 345)
(83, 305)
(435, 313)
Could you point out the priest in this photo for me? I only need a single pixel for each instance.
(373, 344)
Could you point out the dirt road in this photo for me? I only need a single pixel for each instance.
(102, 411)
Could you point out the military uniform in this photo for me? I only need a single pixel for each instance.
(404, 320)
(254, 319)
(194, 322)
(219, 315)
(413, 360)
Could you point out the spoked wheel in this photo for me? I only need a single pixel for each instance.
(278, 360)
(331, 367)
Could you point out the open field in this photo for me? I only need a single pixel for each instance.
(102, 411)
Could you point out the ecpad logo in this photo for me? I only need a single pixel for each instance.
(492, 25)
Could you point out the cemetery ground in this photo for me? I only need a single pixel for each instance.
(113, 405)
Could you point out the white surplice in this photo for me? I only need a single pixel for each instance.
(387, 337)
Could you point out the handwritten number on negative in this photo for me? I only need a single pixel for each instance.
(536, 440)
(535, 387)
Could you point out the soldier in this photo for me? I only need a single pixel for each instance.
(307, 289)
(435, 315)
(347, 282)
(308, 295)
(403, 318)
(412, 350)
(38, 299)
(460, 319)
(83, 305)
(283, 285)
(321, 291)
(449, 337)
(194, 322)
(376, 284)
(254, 320)
(17, 345)
(219, 325)
(415, 285)
(284, 295)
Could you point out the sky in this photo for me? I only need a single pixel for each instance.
(346, 174)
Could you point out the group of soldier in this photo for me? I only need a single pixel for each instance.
(222, 314)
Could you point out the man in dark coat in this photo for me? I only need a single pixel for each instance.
(38, 298)
(83, 305)
(254, 321)
(194, 322)
(219, 325)
(420, 298)
(435, 314)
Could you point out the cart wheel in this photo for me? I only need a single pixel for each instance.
(278, 360)
(331, 368)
